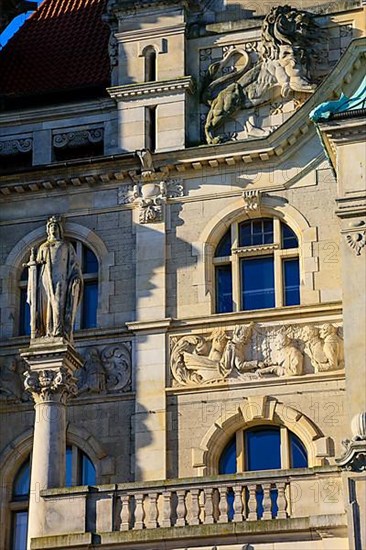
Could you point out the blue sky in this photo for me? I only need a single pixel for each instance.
(14, 26)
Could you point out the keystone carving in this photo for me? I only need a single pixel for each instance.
(288, 41)
(252, 200)
(106, 371)
(50, 385)
(250, 352)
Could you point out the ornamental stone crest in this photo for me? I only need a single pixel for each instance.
(250, 352)
(150, 190)
(106, 370)
(289, 39)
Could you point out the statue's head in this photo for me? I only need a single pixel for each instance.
(54, 228)
(327, 329)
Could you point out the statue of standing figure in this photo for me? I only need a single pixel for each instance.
(54, 285)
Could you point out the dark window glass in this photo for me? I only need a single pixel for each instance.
(224, 297)
(263, 449)
(24, 314)
(150, 128)
(289, 239)
(299, 457)
(291, 276)
(224, 246)
(89, 305)
(14, 162)
(90, 262)
(150, 65)
(227, 464)
(256, 232)
(19, 530)
(68, 475)
(258, 283)
(88, 474)
(22, 481)
(24, 275)
(87, 150)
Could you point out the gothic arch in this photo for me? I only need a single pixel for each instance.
(254, 411)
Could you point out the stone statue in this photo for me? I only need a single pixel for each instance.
(325, 348)
(54, 285)
(288, 41)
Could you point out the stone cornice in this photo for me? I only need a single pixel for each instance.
(158, 32)
(135, 91)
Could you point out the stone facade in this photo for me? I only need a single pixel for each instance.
(164, 380)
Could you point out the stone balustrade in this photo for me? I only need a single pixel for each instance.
(240, 499)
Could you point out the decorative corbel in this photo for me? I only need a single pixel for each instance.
(356, 236)
(252, 200)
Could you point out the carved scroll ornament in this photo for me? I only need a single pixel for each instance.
(250, 352)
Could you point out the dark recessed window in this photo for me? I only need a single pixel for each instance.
(257, 266)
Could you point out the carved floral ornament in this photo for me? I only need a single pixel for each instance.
(15, 146)
(251, 352)
(77, 138)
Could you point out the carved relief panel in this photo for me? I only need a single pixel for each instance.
(254, 352)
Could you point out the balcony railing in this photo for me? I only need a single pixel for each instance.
(173, 504)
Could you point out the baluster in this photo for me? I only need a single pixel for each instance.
(281, 501)
(223, 507)
(208, 506)
(238, 503)
(152, 522)
(252, 503)
(267, 504)
(125, 513)
(195, 507)
(139, 511)
(167, 510)
(181, 508)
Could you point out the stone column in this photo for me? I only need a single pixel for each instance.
(51, 382)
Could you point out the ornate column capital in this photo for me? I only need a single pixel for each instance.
(55, 385)
(52, 364)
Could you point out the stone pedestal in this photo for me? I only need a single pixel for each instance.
(50, 380)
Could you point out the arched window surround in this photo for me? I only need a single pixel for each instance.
(258, 411)
(10, 273)
(17, 452)
(271, 207)
(150, 55)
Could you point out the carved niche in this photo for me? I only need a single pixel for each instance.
(106, 370)
(251, 352)
(247, 78)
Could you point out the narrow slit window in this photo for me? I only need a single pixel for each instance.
(150, 128)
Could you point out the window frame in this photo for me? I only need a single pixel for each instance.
(285, 447)
(239, 253)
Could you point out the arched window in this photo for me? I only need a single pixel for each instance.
(87, 313)
(263, 448)
(150, 64)
(79, 471)
(257, 266)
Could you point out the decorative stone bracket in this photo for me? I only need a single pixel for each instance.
(252, 200)
(354, 459)
(150, 190)
(356, 236)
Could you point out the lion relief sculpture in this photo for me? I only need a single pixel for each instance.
(289, 40)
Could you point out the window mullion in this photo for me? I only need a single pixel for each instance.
(240, 464)
(235, 263)
(278, 278)
(285, 449)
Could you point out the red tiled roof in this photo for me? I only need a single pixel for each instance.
(62, 46)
